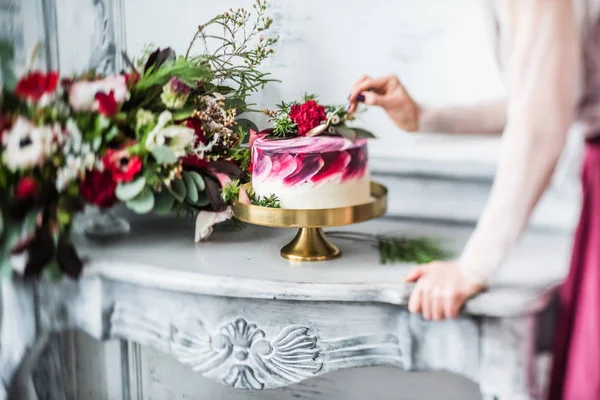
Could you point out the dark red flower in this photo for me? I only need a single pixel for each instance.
(307, 116)
(194, 162)
(26, 188)
(122, 165)
(35, 85)
(197, 127)
(98, 188)
(107, 105)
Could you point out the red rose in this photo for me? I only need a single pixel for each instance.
(26, 188)
(35, 85)
(107, 105)
(122, 166)
(98, 188)
(307, 116)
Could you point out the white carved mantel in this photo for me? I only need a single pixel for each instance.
(235, 312)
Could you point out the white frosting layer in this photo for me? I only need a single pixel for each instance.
(309, 197)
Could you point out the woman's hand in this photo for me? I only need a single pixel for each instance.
(440, 291)
(388, 93)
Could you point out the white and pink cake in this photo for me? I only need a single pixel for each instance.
(311, 172)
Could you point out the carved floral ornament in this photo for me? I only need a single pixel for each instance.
(240, 355)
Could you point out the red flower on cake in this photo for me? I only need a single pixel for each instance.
(307, 116)
(26, 188)
(35, 85)
(98, 188)
(122, 165)
(107, 105)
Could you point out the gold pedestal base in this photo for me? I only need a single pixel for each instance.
(310, 244)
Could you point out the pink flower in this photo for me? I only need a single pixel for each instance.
(82, 95)
(107, 105)
(37, 85)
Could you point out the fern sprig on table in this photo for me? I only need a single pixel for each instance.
(399, 249)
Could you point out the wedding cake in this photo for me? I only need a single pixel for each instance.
(311, 172)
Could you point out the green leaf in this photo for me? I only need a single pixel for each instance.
(164, 155)
(202, 199)
(198, 180)
(127, 191)
(363, 133)
(97, 143)
(143, 202)
(238, 104)
(183, 113)
(346, 132)
(52, 271)
(111, 134)
(178, 190)
(163, 202)
(101, 123)
(192, 190)
(245, 124)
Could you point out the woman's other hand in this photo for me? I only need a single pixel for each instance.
(440, 291)
(388, 93)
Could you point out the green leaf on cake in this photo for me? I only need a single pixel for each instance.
(163, 202)
(143, 202)
(178, 190)
(346, 132)
(191, 189)
(164, 155)
(127, 191)
(363, 133)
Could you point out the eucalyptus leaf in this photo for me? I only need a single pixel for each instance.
(177, 189)
(163, 155)
(202, 200)
(143, 202)
(101, 123)
(111, 134)
(192, 190)
(127, 191)
(198, 180)
(363, 133)
(97, 143)
(183, 113)
(163, 202)
(52, 272)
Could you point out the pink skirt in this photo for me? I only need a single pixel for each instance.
(576, 369)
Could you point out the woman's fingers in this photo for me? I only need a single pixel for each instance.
(414, 302)
(426, 300)
(437, 306)
(414, 274)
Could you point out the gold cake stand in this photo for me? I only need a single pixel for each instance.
(310, 244)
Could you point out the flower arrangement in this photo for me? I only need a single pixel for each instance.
(163, 136)
(310, 118)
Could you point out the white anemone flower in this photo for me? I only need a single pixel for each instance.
(175, 137)
(26, 145)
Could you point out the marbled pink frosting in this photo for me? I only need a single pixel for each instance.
(300, 160)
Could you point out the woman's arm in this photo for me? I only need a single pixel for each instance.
(543, 66)
(542, 73)
(485, 118)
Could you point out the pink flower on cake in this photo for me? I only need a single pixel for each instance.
(82, 95)
(307, 116)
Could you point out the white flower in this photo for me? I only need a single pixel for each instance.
(82, 95)
(175, 137)
(207, 219)
(329, 115)
(75, 135)
(335, 120)
(26, 144)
